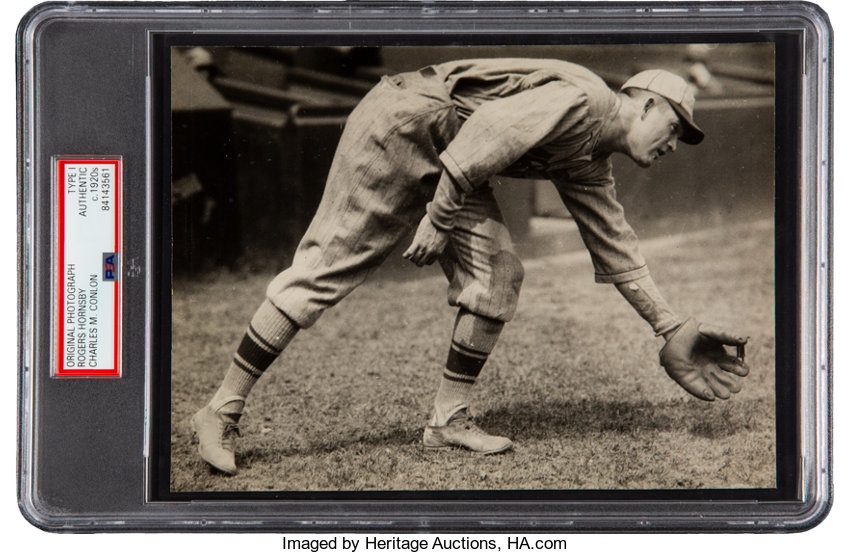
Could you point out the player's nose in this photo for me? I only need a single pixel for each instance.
(672, 143)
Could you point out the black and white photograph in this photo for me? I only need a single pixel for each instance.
(473, 268)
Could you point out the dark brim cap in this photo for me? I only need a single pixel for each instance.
(677, 92)
(691, 134)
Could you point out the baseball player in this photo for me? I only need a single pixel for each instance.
(419, 149)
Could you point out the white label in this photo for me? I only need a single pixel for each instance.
(89, 256)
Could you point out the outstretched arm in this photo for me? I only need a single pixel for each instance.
(693, 355)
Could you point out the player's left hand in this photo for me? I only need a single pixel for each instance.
(696, 359)
(428, 243)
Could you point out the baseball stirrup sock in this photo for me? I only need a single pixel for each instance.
(473, 339)
(268, 334)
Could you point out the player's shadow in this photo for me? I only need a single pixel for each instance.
(326, 445)
(588, 417)
(562, 419)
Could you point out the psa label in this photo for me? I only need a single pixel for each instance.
(88, 277)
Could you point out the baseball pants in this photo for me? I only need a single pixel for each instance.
(384, 172)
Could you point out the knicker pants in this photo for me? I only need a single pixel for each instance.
(384, 172)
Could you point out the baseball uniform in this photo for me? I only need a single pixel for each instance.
(467, 121)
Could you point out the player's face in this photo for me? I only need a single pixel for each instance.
(655, 133)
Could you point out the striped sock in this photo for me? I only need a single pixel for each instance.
(269, 332)
(473, 339)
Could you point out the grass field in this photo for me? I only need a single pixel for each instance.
(574, 381)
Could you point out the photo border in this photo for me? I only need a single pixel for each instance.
(788, 263)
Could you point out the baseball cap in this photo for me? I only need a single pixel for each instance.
(678, 94)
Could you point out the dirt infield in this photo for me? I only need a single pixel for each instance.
(575, 381)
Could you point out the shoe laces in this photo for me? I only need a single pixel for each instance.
(229, 432)
(463, 419)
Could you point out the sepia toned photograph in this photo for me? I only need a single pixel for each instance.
(473, 268)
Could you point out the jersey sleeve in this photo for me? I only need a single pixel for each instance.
(610, 240)
(500, 131)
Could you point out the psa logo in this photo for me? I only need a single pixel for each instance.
(110, 266)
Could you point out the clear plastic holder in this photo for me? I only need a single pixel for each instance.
(101, 86)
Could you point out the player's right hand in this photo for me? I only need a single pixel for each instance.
(428, 243)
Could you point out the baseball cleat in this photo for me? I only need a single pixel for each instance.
(215, 431)
(462, 432)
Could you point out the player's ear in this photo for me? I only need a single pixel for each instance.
(647, 105)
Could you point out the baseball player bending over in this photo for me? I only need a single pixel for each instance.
(427, 142)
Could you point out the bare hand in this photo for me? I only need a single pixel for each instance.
(428, 243)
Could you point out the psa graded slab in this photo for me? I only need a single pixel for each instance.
(392, 267)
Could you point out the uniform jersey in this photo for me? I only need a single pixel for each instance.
(543, 119)
(547, 119)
